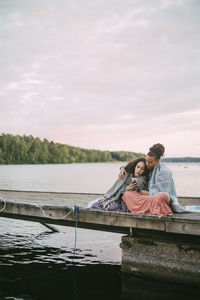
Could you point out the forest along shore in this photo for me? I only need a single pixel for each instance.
(29, 150)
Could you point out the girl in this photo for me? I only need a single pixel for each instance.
(112, 200)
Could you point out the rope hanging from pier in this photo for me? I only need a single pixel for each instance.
(50, 217)
(75, 208)
(76, 225)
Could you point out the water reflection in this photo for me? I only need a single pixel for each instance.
(36, 264)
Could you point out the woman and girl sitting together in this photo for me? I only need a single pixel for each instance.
(144, 186)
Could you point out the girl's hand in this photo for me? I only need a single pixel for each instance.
(143, 192)
(131, 186)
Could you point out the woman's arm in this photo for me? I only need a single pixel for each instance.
(122, 173)
(129, 168)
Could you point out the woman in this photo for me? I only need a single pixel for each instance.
(161, 192)
(112, 200)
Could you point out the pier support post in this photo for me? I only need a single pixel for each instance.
(159, 255)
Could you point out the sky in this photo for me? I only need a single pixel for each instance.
(102, 74)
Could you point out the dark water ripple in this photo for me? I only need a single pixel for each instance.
(41, 273)
(40, 265)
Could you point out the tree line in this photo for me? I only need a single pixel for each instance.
(16, 149)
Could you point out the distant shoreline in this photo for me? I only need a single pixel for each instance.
(181, 159)
(27, 150)
(166, 160)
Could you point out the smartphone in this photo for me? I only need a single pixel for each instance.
(134, 180)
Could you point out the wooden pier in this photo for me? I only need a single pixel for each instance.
(159, 247)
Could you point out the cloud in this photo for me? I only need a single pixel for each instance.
(92, 73)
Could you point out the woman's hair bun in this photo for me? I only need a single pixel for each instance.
(157, 151)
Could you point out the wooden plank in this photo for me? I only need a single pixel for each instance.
(69, 199)
(54, 208)
(184, 223)
(62, 215)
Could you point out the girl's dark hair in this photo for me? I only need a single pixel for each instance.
(130, 167)
(156, 151)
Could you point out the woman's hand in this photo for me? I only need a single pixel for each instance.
(143, 192)
(122, 173)
(131, 186)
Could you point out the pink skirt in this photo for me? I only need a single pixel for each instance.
(157, 204)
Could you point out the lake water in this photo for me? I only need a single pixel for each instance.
(38, 264)
(92, 178)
